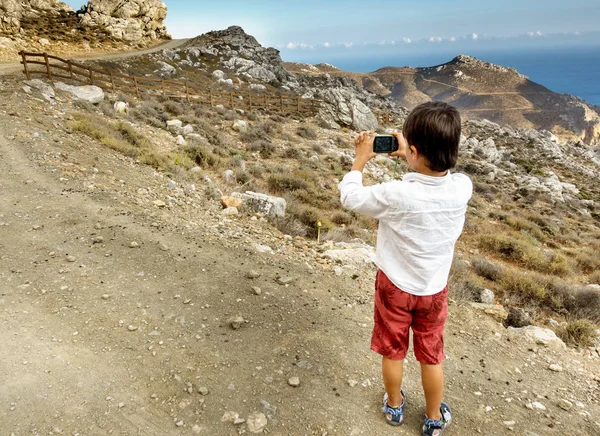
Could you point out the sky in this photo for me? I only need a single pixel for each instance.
(323, 30)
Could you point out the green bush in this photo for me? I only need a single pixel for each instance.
(306, 132)
(487, 269)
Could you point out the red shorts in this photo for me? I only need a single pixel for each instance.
(396, 311)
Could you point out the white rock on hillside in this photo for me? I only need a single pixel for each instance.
(90, 93)
(357, 256)
(263, 203)
(540, 335)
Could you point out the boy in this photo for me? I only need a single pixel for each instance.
(420, 219)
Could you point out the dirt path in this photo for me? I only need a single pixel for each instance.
(6, 69)
(102, 336)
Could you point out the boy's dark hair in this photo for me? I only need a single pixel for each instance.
(434, 129)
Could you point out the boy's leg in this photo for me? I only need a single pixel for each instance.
(392, 379)
(432, 377)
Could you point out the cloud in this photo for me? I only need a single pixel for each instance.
(452, 39)
(406, 40)
(435, 39)
(326, 44)
(348, 44)
(534, 34)
(295, 45)
(474, 36)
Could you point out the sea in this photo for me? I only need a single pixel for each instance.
(572, 70)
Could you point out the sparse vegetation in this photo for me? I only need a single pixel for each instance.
(580, 332)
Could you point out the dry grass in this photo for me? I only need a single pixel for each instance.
(580, 332)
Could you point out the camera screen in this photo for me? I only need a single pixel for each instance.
(383, 144)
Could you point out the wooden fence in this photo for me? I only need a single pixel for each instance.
(115, 82)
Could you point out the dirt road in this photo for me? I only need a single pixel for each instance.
(15, 67)
(114, 315)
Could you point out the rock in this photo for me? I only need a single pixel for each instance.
(134, 244)
(121, 107)
(218, 74)
(195, 169)
(90, 93)
(357, 256)
(257, 87)
(338, 271)
(132, 328)
(284, 280)
(240, 126)
(180, 140)
(535, 406)
(262, 203)
(256, 290)
(196, 429)
(256, 422)
(352, 383)
(226, 82)
(133, 21)
(188, 129)
(517, 317)
(294, 381)
(486, 296)
(45, 89)
(236, 322)
(230, 211)
(175, 126)
(252, 274)
(555, 367)
(228, 201)
(565, 404)
(540, 335)
(203, 390)
(71, 259)
(260, 248)
(495, 311)
(229, 177)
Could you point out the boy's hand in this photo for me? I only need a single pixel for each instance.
(364, 150)
(402, 146)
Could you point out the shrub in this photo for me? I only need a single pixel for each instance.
(594, 277)
(524, 286)
(318, 148)
(341, 218)
(588, 261)
(201, 155)
(174, 108)
(581, 333)
(292, 152)
(486, 269)
(462, 285)
(289, 225)
(306, 132)
(279, 183)
(265, 148)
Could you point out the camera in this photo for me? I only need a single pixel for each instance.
(385, 144)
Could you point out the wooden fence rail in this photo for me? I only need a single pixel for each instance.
(57, 68)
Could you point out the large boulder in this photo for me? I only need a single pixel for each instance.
(540, 335)
(90, 93)
(131, 21)
(343, 108)
(263, 203)
(12, 11)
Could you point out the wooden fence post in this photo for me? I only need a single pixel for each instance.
(231, 100)
(91, 77)
(281, 102)
(112, 82)
(187, 92)
(25, 69)
(298, 103)
(211, 97)
(250, 102)
(70, 68)
(266, 105)
(135, 84)
(47, 66)
(162, 86)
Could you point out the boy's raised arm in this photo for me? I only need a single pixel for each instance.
(371, 200)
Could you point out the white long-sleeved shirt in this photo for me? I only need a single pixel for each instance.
(420, 219)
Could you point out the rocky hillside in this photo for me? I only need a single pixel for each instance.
(480, 90)
(52, 25)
